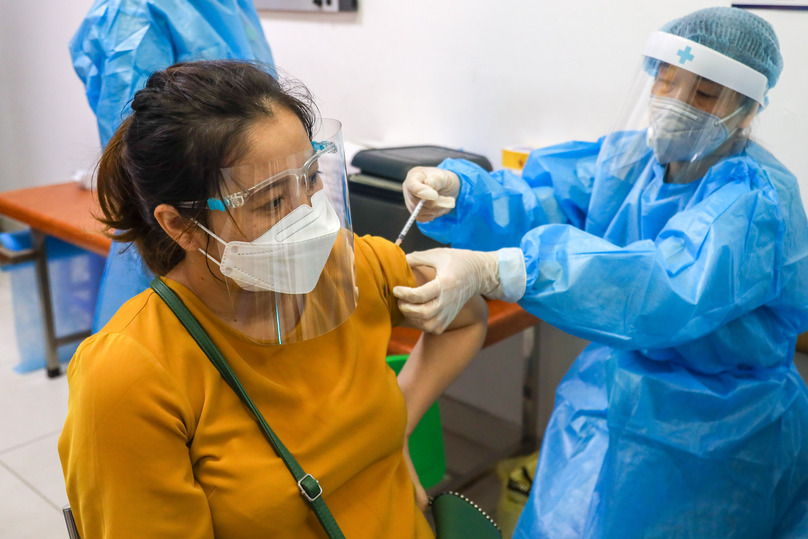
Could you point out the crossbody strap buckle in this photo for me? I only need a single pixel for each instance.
(311, 490)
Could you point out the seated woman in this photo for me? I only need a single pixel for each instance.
(236, 196)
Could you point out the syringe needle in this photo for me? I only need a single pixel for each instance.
(409, 222)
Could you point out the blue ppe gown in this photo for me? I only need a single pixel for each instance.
(685, 417)
(121, 42)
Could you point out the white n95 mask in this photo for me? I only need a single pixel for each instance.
(681, 132)
(289, 257)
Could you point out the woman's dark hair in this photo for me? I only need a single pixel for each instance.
(188, 123)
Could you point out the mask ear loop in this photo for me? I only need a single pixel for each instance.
(737, 128)
(724, 119)
(220, 240)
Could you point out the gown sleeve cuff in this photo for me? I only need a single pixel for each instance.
(512, 274)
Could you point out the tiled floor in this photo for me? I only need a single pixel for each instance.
(34, 408)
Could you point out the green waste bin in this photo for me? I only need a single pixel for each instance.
(426, 441)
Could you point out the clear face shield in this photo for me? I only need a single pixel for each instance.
(282, 237)
(687, 109)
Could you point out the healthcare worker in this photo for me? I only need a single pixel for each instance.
(121, 42)
(679, 247)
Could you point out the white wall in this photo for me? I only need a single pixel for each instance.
(512, 72)
(478, 75)
(47, 130)
(6, 127)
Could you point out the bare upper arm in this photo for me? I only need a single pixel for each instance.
(423, 274)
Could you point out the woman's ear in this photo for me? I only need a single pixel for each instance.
(190, 238)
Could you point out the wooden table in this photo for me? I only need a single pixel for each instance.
(64, 211)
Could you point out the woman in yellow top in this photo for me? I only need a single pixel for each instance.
(236, 195)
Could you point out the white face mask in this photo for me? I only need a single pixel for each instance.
(289, 257)
(681, 132)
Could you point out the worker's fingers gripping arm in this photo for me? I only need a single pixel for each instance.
(460, 274)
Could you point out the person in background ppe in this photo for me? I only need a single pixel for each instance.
(121, 42)
(679, 247)
(236, 195)
(115, 49)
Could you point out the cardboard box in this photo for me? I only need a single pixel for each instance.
(515, 157)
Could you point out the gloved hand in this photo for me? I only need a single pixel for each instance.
(461, 274)
(438, 187)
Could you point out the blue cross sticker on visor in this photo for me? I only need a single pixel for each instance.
(685, 55)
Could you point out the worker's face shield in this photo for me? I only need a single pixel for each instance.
(281, 237)
(688, 107)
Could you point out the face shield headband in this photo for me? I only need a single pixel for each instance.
(708, 63)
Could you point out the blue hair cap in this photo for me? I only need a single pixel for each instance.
(736, 33)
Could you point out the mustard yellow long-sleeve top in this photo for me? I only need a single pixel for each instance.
(157, 445)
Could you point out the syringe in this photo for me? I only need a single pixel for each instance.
(409, 222)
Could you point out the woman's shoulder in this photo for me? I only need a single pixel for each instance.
(125, 331)
(776, 172)
(139, 350)
(383, 260)
(133, 338)
(108, 353)
(127, 312)
(381, 266)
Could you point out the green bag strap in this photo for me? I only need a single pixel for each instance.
(309, 487)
